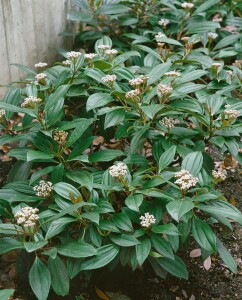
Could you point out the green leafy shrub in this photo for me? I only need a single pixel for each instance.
(113, 154)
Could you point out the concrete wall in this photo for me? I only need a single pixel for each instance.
(29, 32)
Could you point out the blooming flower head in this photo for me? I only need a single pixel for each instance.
(111, 52)
(187, 5)
(185, 180)
(132, 94)
(173, 74)
(66, 63)
(142, 79)
(73, 55)
(2, 113)
(118, 170)
(40, 65)
(90, 56)
(212, 35)
(219, 174)
(43, 189)
(60, 137)
(30, 102)
(103, 47)
(147, 220)
(168, 122)
(109, 78)
(27, 216)
(163, 22)
(231, 113)
(164, 89)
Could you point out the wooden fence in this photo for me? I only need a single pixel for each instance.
(29, 33)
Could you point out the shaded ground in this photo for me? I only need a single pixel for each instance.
(215, 284)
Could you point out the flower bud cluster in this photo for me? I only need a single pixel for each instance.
(230, 73)
(139, 80)
(43, 189)
(40, 78)
(132, 94)
(185, 39)
(219, 174)
(231, 113)
(185, 180)
(164, 89)
(212, 35)
(90, 56)
(73, 55)
(111, 52)
(31, 102)
(168, 122)
(147, 220)
(120, 169)
(187, 5)
(60, 137)
(216, 64)
(103, 47)
(27, 216)
(40, 65)
(173, 74)
(2, 113)
(238, 63)
(163, 22)
(66, 63)
(109, 78)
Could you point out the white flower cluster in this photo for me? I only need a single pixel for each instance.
(220, 174)
(168, 122)
(60, 137)
(31, 102)
(27, 216)
(187, 5)
(164, 89)
(103, 47)
(109, 78)
(173, 74)
(230, 73)
(147, 220)
(43, 189)
(73, 55)
(231, 113)
(132, 94)
(238, 63)
(185, 180)
(159, 35)
(2, 113)
(90, 56)
(111, 52)
(66, 63)
(212, 35)
(163, 22)
(40, 65)
(216, 64)
(120, 169)
(139, 80)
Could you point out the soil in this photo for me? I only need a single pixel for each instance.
(218, 283)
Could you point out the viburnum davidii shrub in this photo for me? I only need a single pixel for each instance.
(113, 158)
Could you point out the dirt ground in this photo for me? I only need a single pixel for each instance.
(218, 283)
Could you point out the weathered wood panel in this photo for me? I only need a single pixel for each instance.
(29, 33)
